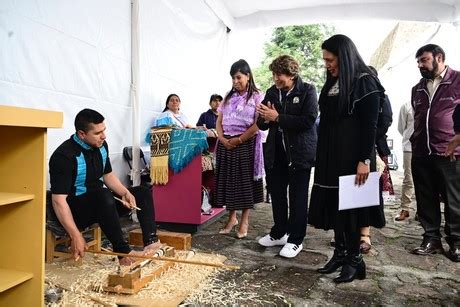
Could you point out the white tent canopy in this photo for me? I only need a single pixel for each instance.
(70, 55)
(242, 14)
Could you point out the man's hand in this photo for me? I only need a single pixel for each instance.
(128, 200)
(453, 144)
(267, 112)
(362, 173)
(78, 246)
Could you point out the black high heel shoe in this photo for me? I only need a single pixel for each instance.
(353, 268)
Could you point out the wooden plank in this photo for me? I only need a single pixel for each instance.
(26, 117)
(178, 240)
(11, 278)
(11, 198)
(132, 283)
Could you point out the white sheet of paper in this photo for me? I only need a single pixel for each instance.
(352, 196)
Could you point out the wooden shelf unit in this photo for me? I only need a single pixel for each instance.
(12, 278)
(22, 203)
(11, 198)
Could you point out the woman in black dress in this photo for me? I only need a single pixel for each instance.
(349, 106)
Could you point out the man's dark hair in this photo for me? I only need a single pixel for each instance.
(433, 49)
(86, 117)
(215, 97)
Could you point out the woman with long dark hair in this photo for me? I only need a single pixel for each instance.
(239, 159)
(349, 104)
(172, 115)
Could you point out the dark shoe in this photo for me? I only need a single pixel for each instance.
(454, 253)
(402, 216)
(428, 247)
(337, 260)
(352, 269)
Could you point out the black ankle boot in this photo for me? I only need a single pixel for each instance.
(337, 260)
(354, 267)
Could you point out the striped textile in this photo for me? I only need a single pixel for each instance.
(235, 187)
(159, 151)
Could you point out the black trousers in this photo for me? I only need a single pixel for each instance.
(267, 178)
(280, 177)
(101, 207)
(434, 176)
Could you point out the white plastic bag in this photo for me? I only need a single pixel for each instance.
(205, 205)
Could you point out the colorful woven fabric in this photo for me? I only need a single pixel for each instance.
(184, 146)
(159, 151)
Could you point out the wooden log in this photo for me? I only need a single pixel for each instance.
(216, 265)
(178, 240)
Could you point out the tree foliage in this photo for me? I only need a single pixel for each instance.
(301, 42)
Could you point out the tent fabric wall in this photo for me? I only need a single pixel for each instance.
(66, 56)
(265, 13)
(183, 51)
(69, 55)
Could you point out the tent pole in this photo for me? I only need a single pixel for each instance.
(134, 91)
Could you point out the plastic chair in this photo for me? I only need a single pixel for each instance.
(145, 171)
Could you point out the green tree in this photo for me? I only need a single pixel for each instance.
(301, 42)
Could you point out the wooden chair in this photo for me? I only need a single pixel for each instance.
(53, 240)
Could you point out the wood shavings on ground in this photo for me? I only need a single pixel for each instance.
(217, 292)
(86, 281)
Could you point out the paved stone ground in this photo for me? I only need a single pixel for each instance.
(394, 276)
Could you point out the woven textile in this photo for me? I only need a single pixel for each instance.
(159, 151)
(184, 146)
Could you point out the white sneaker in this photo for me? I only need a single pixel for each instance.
(268, 241)
(290, 250)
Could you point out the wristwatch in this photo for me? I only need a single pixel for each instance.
(367, 162)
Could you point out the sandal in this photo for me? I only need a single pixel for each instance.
(229, 227)
(364, 246)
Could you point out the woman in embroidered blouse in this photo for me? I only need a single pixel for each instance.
(172, 115)
(239, 159)
(349, 104)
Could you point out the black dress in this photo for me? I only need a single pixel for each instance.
(345, 138)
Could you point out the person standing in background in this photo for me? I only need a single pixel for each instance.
(384, 122)
(455, 141)
(208, 119)
(239, 157)
(288, 112)
(406, 128)
(435, 99)
(349, 104)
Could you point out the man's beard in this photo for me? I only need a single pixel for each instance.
(430, 74)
